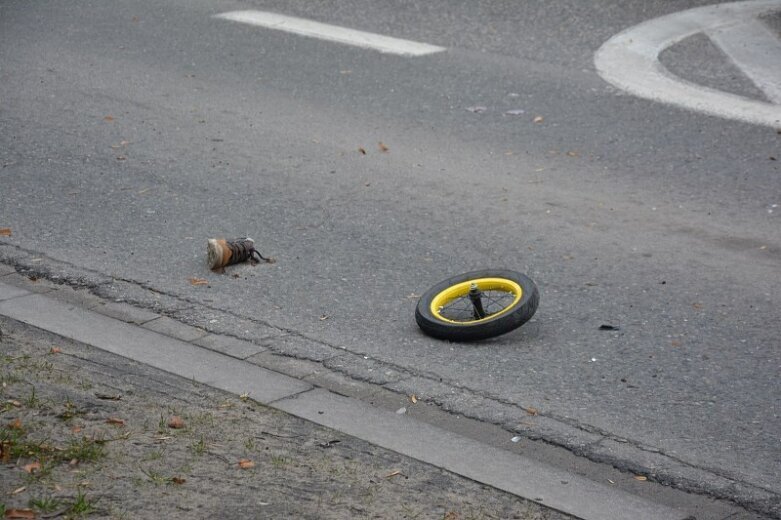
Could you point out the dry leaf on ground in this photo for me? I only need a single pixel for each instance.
(115, 420)
(18, 490)
(178, 480)
(5, 232)
(532, 411)
(176, 422)
(32, 467)
(16, 424)
(108, 119)
(198, 281)
(538, 119)
(246, 464)
(20, 513)
(383, 147)
(362, 150)
(392, 474)
(55, 350)
(640, 478)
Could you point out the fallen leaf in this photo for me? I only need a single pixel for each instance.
(362, 150)
(244, 396)
(198, 281)
(382, 146)
(5, 452)
(697, 306)
(16, 424)
(532, 411)
(121, 158)
(246, 464)
(20, 513)
(14, 403)
(675, 343)
(5, 232)
(538, 119)
(413, 398)
(178, 480)
(450, 515)
(176, 422)
(516, 112)
(18, 490)
(76, 429)
(392, 474)
(55, 350)
(324, 317)
(73, 462)
(32, 467)
(115, 420)
(573, 153)
(610, 481)
(640, 478)
(108, 119)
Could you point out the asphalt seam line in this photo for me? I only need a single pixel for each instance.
(504, 470)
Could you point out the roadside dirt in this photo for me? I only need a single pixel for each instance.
(86, 434)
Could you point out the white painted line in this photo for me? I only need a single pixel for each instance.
(630, 61)
(334, 33)
(756, 50)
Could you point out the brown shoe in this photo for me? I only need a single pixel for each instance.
(221, 252)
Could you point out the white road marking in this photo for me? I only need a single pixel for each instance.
(334, 33)
(758, 51)
(630, 61)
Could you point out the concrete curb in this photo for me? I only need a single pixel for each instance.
(183, 356)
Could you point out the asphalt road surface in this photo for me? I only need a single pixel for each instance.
(132, 131)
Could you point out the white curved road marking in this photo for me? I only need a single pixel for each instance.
(334, 33)
(630, 60)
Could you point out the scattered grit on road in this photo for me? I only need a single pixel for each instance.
(88, 434)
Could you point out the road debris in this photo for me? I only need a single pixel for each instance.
(176, 422)
(246, 464)
(5, 232)
(515, 112)
(538, 119)
(477, 109)
(221, 252)
(608, 327)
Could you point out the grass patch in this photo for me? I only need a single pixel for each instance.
(279, 462)
(45, 504)
(199, 447)
(81, 506)
(83, 450)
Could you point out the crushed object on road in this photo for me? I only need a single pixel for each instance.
(221, 252)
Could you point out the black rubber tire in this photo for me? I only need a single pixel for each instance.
(510, 320)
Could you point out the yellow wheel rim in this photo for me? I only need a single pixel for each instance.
(456, 294)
